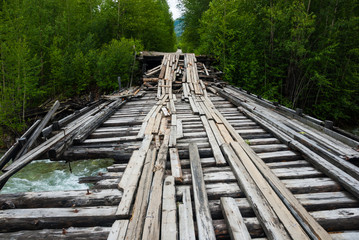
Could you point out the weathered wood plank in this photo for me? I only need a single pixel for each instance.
(203, 215)
(186, 225)
(169, 210)
(118, 230)
(213, 142)
(175, 164)
(234, 220)
(269, 220)
(130, 178)
(152, 224)
(135, 227)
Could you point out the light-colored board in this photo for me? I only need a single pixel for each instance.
(169, 210)
(176, 169)
(118, 230)
(185, 212)
(234, 220)
(152, 224)
(203, 215)
(135, 227)
(213, 142)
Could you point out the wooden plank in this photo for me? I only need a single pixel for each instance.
(216, 132)
(186, 225)
(234, 220)
(269, 220)
(165, 112)
(135, 227)
(118, 230)
(193, 106)
(289, 222)
(163, 126)
(213, 142)
(157, 123)
(176, 169)
(292, 201)
(226, 135)
(150, 125)
(179, 129)
(169, 210)
(173, 136)
(130, 178)
(152, 222)
(203, 215)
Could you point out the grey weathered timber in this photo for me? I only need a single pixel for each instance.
(234, 220)
(118, 230)
(97, 120)
(213, 142)
(65, 233)
(175, 164)
(269, 220)
(135, 227)
(203, 215)
(38, 130)
(13, 151)
(58, 199)
(39, 218)
(131, 176)
(169, 210)
(292, 225)
(153, 220)
(185, 212)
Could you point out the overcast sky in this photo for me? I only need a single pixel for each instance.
(176, 13)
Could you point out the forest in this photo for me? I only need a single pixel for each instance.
(58, 49)
(301, 53)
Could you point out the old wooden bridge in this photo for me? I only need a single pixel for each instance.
(194, 159)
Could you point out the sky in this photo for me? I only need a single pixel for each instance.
(176, 13)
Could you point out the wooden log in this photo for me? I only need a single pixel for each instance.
(186, 225)
(203, 215)
(97, 120)
(40, 218)
(78, 198)
(169, 210)
(13, 151)
(65, 233)
(152, 222)
(118, 230)
(175, 164)
(135, 227)
(38, 131)
(234, 220)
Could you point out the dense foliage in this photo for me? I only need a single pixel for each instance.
(301, 53)
(63, 48)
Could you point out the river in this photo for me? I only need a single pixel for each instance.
(46, 175)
